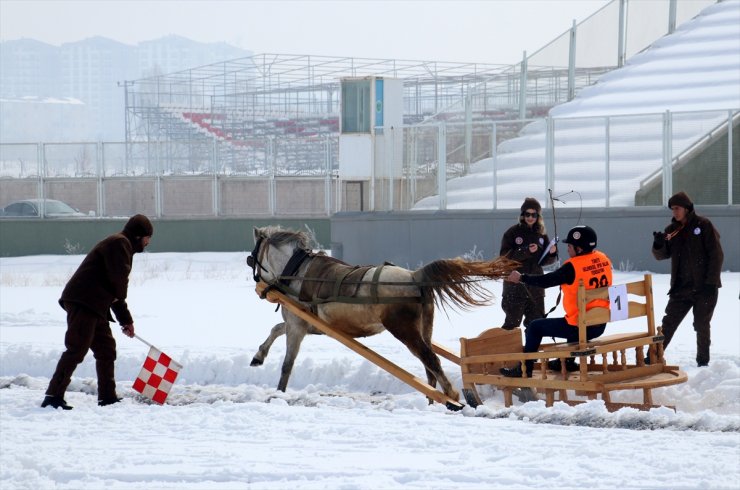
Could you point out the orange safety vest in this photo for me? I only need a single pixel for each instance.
(595, 269)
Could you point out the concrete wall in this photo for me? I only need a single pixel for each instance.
(59, 237)
(411, 239)
(182, 196)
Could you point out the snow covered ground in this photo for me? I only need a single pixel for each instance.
(343, 423)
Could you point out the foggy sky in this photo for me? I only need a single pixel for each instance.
(493, 31)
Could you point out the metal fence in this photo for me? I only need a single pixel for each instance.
(606, 161)
(610, 161)
(172, 179)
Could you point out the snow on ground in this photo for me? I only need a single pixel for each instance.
(343, 423)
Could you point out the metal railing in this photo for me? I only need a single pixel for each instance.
(608, 161)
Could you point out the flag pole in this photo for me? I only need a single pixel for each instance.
(142, 340)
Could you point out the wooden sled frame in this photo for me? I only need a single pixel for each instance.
(482, 356)
(296, 308)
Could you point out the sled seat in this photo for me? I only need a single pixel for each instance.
(606, 364)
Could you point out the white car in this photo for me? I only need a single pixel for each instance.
(34, 208)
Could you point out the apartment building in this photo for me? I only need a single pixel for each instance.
(91, 71)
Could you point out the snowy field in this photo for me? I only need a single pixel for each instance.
(343, 422)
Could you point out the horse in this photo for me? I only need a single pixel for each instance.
(364, 301)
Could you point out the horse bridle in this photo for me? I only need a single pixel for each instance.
(253, 261)
(291, 267)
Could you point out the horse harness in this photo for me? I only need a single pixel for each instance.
(329, 280)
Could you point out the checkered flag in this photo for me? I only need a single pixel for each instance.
(157, 375)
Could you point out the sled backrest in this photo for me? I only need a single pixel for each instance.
(620, 306)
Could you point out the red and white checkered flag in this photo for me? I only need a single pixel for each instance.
(157, 375)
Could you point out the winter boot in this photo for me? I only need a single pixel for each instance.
(516, 371)
(570, 365)
(109, 401)
(55, 402)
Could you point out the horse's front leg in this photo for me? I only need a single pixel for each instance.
(264, 349)
(295, 332)
(432, 380)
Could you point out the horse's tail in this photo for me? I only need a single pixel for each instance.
(456, 282)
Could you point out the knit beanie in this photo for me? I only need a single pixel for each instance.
(681, 199)
(138, 226)
(531, 203)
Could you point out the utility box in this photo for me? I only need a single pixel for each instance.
(370, 139)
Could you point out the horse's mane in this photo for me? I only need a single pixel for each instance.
(279, 236)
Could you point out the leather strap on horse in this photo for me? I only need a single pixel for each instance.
(374, 285)
(294, 263)
(346, 277)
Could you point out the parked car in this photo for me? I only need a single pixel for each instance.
(32, 208)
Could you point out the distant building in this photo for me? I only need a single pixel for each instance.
(174, 53)
(90, 71)
(29, 67)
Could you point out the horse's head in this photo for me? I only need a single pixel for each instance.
(273, 248)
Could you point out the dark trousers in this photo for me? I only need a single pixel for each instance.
(554, 327)
(86, 331)
(679, 304)
(520, 301)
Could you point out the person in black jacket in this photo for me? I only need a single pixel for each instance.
(99, 285)
(692, 244)
(526, 242)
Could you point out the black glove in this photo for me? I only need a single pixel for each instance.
(658, 239)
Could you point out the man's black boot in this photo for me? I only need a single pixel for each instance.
(55, 402)
(109, 401)
(570, 365)
(516, 371)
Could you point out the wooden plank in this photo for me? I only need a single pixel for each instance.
(642, 341)
(445, 352)
(534, 382)
(614, 406)
(494, 341)
(625, 374)
(654, 381)
(372, 356)
(603, 340)
(518, 356)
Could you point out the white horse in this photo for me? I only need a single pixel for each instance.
(364, 301)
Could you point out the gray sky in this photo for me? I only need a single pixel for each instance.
(486, 31)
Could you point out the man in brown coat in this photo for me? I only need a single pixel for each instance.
(99, 285)
(692, 244)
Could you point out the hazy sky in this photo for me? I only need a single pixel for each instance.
(492, 31)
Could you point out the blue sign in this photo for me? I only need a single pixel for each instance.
(379, 102)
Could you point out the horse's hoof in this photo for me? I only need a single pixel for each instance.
(454, 407)
(256, 362)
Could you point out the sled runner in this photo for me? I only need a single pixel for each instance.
(606, 364)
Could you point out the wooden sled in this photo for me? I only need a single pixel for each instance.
(296, 308)
(604, 365)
